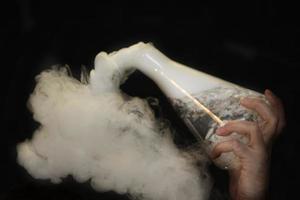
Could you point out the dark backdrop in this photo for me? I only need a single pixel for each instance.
(253, 44)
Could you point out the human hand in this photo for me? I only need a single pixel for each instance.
(272, 115)
(250, 180)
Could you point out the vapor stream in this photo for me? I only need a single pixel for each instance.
(95, 132)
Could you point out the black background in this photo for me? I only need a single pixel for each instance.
(254, 44)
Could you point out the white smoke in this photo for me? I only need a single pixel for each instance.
(95, 132)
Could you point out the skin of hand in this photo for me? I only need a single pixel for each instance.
(250, 180)
(272, 115)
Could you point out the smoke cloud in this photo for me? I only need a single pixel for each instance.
(95, 132)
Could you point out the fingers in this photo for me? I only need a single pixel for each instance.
(249, 129)
(239, 149)
(276, 103)
(255, 147)
(273, 114)
(260, 106)
(269, 116)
